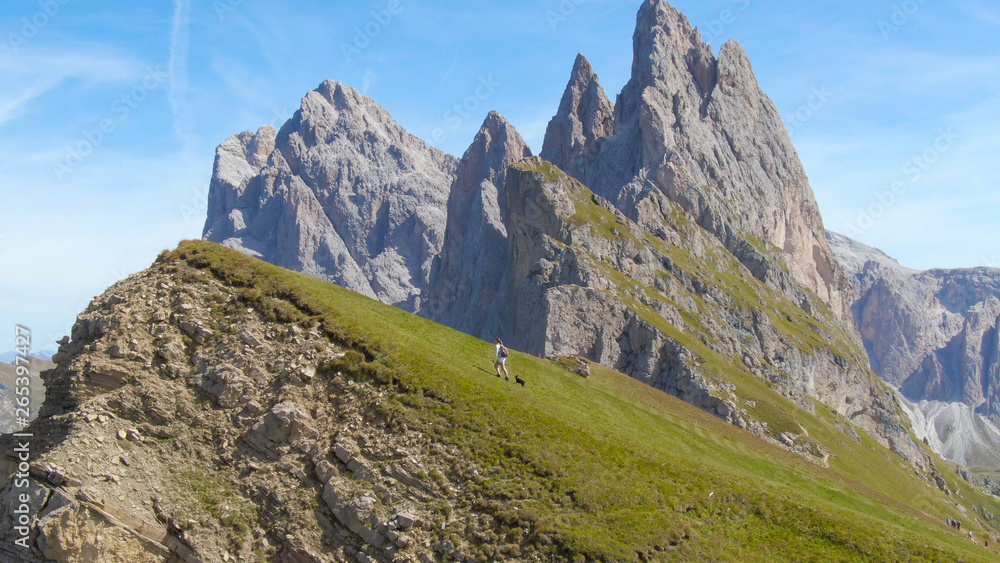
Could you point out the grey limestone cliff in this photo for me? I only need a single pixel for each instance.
(341, 192)
(585, 118)
(585, 280)
(932, 334)
(469, 281)
(699, 129)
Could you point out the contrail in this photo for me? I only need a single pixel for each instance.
(180, 39)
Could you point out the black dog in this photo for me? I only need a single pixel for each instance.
(519, 381)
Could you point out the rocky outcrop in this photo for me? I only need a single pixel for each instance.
(700, 130)
(727, 261)
(254, 439)
(931, 334)
(469, 281)
(341, 192)
(585, 118)
(588, 281)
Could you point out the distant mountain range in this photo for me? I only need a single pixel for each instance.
(671, 235)
(218, 408)
(935, 336)
(9, 357)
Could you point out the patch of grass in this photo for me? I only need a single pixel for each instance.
(219, 499)
(602, 468)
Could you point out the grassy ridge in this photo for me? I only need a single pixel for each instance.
(607, 468)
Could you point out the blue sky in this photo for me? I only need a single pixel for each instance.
(110, 112)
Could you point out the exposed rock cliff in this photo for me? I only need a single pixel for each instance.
(700, 130)
(932, 334)
(588, 281)
(342, 192)
(469, 282)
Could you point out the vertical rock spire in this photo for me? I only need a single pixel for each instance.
(585, 118)
(700, 131)
(468, 282)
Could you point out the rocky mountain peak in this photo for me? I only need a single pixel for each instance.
(700, 131)
(469, 279)
(585, 118)
(341, 192)
(668, 52)
(495, 147)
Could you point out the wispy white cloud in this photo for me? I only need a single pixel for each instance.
(13, 107)
(180, 44)
(30, 76)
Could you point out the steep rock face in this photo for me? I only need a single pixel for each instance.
(588, 281)
(172, 433)
(469, 282)
(585, 118)
(700, 130)
(705, 206)
(933, 334)
(342, 192)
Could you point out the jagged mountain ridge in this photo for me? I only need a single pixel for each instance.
(476, 279)
(700, 130)
(217, 408)
(341, 192)
(933, 333)
(934, 336)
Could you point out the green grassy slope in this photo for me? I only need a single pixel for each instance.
(607, 468)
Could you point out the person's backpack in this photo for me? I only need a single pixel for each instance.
(504, 352)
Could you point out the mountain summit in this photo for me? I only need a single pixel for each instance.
(700, 130)
(341, 192)
(585, 118)
(671, 235)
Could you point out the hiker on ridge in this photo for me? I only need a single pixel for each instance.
(500, 359)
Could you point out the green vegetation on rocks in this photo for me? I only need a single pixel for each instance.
(606, 468)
